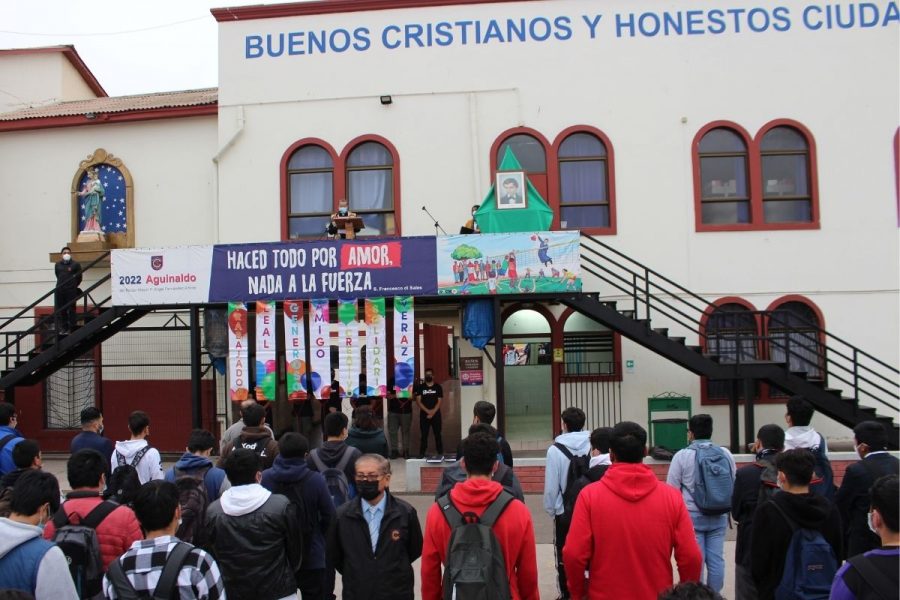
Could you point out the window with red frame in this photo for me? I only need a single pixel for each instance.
(370, 187)
(793, 336)
(784, 163)
(310, 180)
(731, 334)
(584, 201)
(532, 155)
(724, 165)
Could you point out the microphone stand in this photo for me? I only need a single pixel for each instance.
(437, 225)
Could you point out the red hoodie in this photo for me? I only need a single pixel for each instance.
(513, 529)
(628, 523)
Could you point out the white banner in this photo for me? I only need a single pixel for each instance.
(266, 370)
(404, 346)
(348, 347)
(294, 350)
(376, 347)
(177, 275)
(238, 369)
(320, 347)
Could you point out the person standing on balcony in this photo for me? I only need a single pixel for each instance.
(68, 278)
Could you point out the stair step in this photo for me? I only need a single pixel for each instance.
(697, 349)
(800, 374)
(678, 339)
(713, 357)
(609, 303)
(627, 313)
(834, 392)
(663, 331)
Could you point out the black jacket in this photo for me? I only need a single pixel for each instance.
(772, 534)
(387, 574)
(853, 500)
(503, 475)
(743, 505)
(257, 552)
(68, 276)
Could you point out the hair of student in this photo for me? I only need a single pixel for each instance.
(384, 465)
(90, 414)
(701, 426)
(483, 428)
(485, 411)
(690, 590)
(574, 419)
(64, 248)
(771, 436)
(364, 419)
(138, 421)
(335, 423)
(797, 465)
(85, 468)
(200, 440)
(885, 498)
(24, 453)
(800, 411)
(123, 485)
(33, 489)
(293, 445)
(600, 439)
(480, 453)
(253, 415)
(7, 411)
(629, 442)
(155, 504)
(241, 466)
(871, 433)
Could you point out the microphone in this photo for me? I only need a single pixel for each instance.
(423, 208)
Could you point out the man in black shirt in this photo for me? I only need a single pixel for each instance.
(68, 278)
(399, 417)
(429, 397)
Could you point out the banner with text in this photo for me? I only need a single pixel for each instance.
(294, 350)
(404, 346)
(238, 373)
(376, 347)
(348, 347)
(320, 348)
(266, 371)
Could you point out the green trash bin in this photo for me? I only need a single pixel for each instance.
(670, 433)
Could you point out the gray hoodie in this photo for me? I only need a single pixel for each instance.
(579, 444)
(53, 579)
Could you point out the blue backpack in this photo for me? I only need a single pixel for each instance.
(713, 479)
(809, 565)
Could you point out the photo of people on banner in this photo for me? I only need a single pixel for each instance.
(521, 355)
(513, 263)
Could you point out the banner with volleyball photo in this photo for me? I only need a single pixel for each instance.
(238, 369)
(404, 346)
(376, 348)
(294, 351)
(320, 348)
(348, 347)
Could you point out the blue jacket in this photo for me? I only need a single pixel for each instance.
(95, 441)
(215, 479)
(315, 497)
(6, 460)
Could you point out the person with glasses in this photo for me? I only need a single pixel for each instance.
(376, 537)
(9, 437)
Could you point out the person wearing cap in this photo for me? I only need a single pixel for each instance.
(91, 435)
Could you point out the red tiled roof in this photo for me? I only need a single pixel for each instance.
(120, 104)
(70, 53)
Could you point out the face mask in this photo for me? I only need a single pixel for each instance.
(342, 210)
(100, 431)
(869, 523)
(368, 490)
(66, 257)
(429, 378)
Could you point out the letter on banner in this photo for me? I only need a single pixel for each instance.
(266, 373)
(320, 348)
(238, 373)
(295, 351)
(348, 347)
(404, 346)
(376, 348)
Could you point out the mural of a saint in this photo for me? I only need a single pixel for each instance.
(91, 193)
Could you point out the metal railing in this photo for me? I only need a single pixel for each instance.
(595, 388)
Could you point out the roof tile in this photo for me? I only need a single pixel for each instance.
(119, 104)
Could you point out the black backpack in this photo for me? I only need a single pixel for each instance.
(823, 477)
(168, 579)
(82, 548)
(121, 461)
(307, 516)
(476, 569)
(194, 501)
(578, 468)
(768, 479)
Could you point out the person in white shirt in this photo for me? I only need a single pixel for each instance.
(137, 452)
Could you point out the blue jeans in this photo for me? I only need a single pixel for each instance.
(710, 533)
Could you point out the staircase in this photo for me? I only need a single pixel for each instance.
(33, 349)
(803, 360)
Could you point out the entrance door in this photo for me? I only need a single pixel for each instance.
(527, 377)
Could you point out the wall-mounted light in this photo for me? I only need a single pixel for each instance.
(385, 100)
(90, 115)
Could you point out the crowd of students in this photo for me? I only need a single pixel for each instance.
(272, 519)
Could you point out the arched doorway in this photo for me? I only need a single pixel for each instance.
(527, 376)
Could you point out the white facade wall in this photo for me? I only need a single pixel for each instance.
(37, 79)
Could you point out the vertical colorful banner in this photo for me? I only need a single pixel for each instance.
(320, 348)
(238, 370)
(348, 347)
(376, 347)
(294, 351)
(266, 371)
(404, 346)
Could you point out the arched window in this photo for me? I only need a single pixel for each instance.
(784, 162)
(731, 334)
(584, 199)
(794, 337)
(370, 187)
(310, 173)
(531, 153)
(588, 347)
(725, 195)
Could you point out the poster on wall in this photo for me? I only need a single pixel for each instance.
(471, 370)
(266, 371)
(509, 263)
(404, 346)
(320, 348)
(376, 347)
(238, 370)
(348, 347)
(521, 355)
(294, 351)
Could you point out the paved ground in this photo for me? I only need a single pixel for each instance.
(543, 527)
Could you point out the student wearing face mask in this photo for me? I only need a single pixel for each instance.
(91, 435)
(375, 539)
(429, 397)
(27, 561)
(68, 278)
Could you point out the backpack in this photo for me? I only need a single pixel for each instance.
(713, 479)
(5, 501)
(123, 485)
(307, 517)
(809, 565)
(587, 479)
(823, 476)
(82, 549)
(168, 579)
(476, 569)
(499, 452)
(193, 500)
(873, 578)
(768, 480)
(7, 439)
(259, 446)
(120, 458)
(335, 477)
(578, 468)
